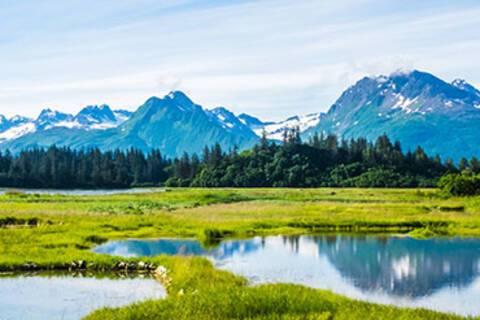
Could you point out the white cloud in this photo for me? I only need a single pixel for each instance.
(269, 58)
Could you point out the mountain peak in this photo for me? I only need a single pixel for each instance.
(382, 78)
(96, 108)
(465, 86)
(174, 101)
(401, 73)
(179, 96)
(407, 89)
(4, 123)
(19, 119)
(49, 113)
(459, 82)
(96, 117)
(221, 110)
(228, 120)
(251, 121)
(46, 110)
(405, 72)
(173, 98)
(49, 117)
(414, 107)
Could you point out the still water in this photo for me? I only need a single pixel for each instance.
(67, 297)
(83, 192)
(440, 274)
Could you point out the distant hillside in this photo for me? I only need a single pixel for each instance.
(415, 108)
(173, 124)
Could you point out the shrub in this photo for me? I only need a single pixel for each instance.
(96, 239)
(464, 184)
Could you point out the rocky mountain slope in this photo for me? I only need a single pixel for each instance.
(413, 107)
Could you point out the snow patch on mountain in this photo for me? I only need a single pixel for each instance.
(465, 86)
(89, 118)
(18, 131)
(18, 120)
(227, 119)
(65, 124)
(404, 103)
(122, 115)
(276, 130)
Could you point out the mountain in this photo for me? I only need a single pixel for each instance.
(414, 107)
(465, 86)
(49, 118)
(15, 127)
(89, 118)
(96, 117)
(173, 124)
(19, 120)
(229, 121)
(122, 115)
(4, 123)
(275, 130)
(252, 122)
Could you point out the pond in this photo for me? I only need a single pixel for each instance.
(68, 297)
(441, 274)
(82, 192)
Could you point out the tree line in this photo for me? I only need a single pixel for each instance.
(323, 160)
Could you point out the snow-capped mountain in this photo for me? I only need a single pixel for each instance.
(465, 86)
(89, 118)
(49, 118)
(4, 123)
(413, 107)
(19, 120)
(228, 120)
(16, 131)
(122, 115)
(15, 127)
(276, 130)
(174, 124)
(252, 122)
(97, 117)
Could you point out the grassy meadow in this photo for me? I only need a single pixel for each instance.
(53, 232)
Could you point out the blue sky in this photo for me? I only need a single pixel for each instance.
(267, 58)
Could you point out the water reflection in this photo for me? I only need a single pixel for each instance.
(82, 192)
(441, 274)
(66, 297)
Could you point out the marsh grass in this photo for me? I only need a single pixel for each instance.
(198, 291)
(68, 227)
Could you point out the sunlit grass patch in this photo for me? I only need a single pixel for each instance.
(64, 229)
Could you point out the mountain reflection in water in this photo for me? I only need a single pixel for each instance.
(398, 270)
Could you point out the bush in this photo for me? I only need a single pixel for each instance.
(175, 182)
(379, 177)
(464, 184)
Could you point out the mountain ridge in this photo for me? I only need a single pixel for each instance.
(414, 107)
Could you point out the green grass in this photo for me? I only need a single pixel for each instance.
(52, 232)
(198, 291)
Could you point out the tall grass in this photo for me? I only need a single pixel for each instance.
(67, 227)
(200, 292)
